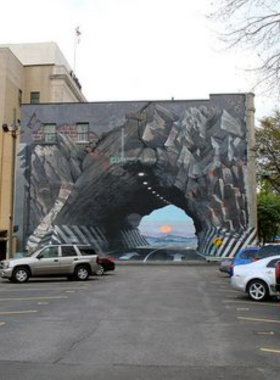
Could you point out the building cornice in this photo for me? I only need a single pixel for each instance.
(71, 83)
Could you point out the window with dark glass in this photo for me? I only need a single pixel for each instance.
(68, 251)
(248, 254)
(272, 263)
(34, 97)
(50, 133)
(87, 251)
(82, 132)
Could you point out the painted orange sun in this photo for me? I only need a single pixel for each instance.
(165, 228)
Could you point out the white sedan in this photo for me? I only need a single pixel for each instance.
(259, 279)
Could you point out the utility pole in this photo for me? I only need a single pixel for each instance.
(13, 174)
(13, 131)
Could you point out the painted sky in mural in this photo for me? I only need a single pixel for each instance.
(166, 221)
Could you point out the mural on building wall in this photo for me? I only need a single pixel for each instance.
(134, 158)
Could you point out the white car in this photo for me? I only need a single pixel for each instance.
(259, 279)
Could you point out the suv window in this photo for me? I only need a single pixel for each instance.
(87, 251)
(247, 254)
(68, 251)
(48, 253)
(250, 254)
(272, 263)
(268, 250)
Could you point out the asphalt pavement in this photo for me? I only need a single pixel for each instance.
(140, 322)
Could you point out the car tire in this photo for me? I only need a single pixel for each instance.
(81, 273)
(258, 290)
(100, 271)
(20, 275)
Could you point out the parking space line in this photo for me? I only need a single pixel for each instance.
(265, 333)
(270, 350)
(42, 289)
(31, 298)
(259, 320)
(2, 324)
(18, 312)
(252, 303)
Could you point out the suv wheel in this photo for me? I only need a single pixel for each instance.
(20, 275)
(81, 273)
(258, 290)
(100, 271)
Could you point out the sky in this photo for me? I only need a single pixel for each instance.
(167, 220)
(136, 49)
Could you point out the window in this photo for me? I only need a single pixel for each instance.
(268, 250)
(50, 133)
(68, 251)
(87, 251)
(34, 97)
(48, 253)
(248, 254)
(272, 263)
(82, 132)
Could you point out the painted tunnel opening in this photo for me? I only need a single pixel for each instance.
(168, 226)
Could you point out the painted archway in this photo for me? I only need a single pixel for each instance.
(194, 155)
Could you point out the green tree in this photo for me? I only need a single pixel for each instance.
(268, 216)
(254, 24)
(268, 153)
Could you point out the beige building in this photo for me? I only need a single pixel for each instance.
(29, 73)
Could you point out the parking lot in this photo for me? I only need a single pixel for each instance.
(140, 322)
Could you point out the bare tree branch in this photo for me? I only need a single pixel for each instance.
(253, 24)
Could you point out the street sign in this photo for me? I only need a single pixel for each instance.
(217, 241)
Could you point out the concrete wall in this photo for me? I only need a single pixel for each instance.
(11, 79)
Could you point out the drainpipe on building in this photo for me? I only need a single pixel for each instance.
(13, 130)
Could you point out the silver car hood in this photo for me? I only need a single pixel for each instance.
(20, 260)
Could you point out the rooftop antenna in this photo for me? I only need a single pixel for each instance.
(76, 42)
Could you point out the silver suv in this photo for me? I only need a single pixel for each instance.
(76, 262)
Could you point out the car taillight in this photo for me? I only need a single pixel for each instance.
(277, 273)
(254, 259)
(110, 258)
